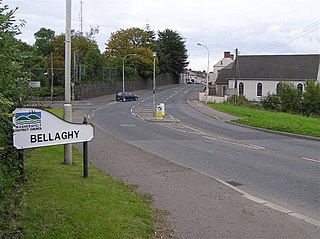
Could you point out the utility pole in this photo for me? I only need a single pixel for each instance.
(51, 56)
(81, 16)
(237, 66)
(67, 106)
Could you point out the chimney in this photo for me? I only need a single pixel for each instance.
(227, 54)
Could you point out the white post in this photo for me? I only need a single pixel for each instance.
(67, 105)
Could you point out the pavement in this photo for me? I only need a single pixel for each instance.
(191, 204)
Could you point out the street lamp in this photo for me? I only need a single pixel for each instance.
(51, 56)
(154, 55)
(207, 83)
(123, 69)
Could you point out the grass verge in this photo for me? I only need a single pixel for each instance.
(59, 203)
(283, 122)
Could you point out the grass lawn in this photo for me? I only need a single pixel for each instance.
(59, 203)
(272, 120)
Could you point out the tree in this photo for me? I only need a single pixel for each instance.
(172, 52)
(129, 41)
(12, 94)
(125, 42)
(43, 43)
(85, 53)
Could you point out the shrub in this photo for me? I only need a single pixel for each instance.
(272, 102)
(311, 99)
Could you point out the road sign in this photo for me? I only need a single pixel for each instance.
(34, 127)
(159, 112)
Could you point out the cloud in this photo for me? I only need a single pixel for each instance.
(220, 25)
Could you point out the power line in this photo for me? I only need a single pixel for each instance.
(301, 33)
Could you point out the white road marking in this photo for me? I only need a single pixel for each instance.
(127, 125)
(234, 143)
(312, 160)
(257, 146)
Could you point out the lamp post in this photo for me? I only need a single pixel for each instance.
(207, 83)
(123, 69)
(51, 56)
(154, 55)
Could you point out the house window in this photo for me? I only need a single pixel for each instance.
(278, 88)
(300, 88)
(241, 88)
(259, 89)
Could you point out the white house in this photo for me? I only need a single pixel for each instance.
(226, 60)
(259, 75)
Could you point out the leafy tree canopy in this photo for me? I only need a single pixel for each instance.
(44, 38)
(126, 41)
(172, 52)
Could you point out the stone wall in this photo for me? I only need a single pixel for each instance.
(86, 91)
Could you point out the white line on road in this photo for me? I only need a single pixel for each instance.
(312, 160)
(251, 146)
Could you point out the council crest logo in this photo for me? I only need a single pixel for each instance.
(28, 121)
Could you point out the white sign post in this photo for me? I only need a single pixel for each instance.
(37, 128)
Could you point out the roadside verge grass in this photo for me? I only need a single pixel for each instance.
(60, 203)
(283, 122)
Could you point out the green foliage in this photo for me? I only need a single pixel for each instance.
(132, 41)
(272, 102)
(126, 41)
(238, 99)
(311, 98)
(289, 99)
(170, 47)
(172, 52)
(46, 92)
(13, 93)
(43, 41)
(93, 62)
(87, 61)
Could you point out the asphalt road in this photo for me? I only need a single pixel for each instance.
(280, 169)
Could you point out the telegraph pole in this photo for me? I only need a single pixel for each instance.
(67, 106)
(236, 77)
(51, 56)
(81, 17)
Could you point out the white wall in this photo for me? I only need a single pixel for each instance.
(250, 87)
(221, 64)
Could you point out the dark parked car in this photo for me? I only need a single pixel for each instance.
(126, 96)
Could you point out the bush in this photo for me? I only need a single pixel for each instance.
(310, 104)
(272, 102)
(290, 100)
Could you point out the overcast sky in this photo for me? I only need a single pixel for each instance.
(254, 27)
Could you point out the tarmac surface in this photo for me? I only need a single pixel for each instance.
(192, 204)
